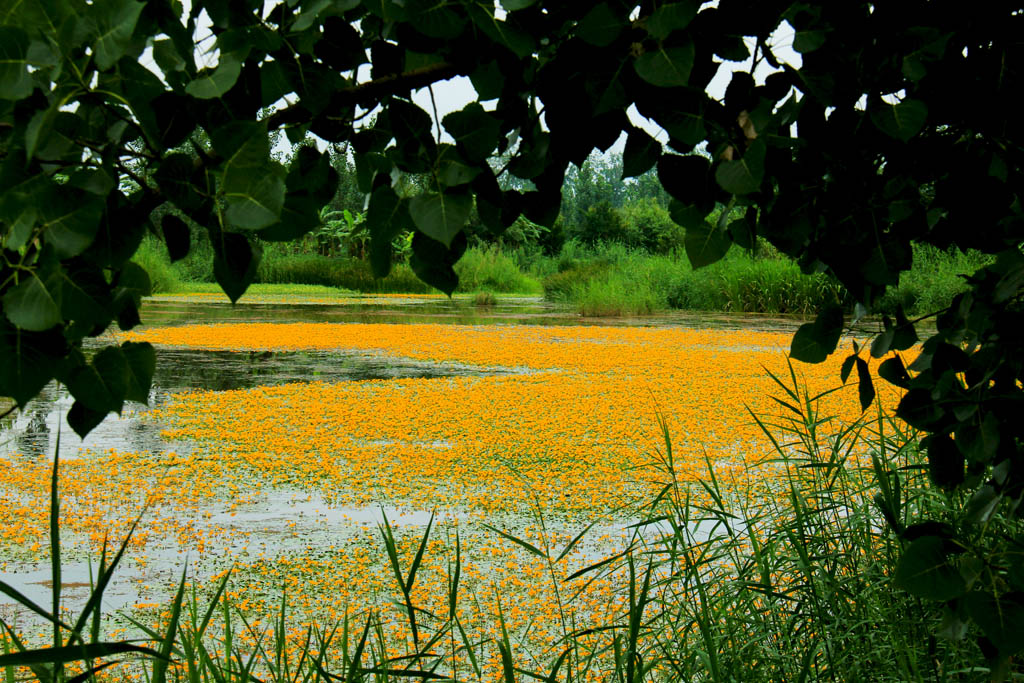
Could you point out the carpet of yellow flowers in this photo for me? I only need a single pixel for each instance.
(570, 437)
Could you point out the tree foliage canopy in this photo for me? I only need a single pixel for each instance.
(896, 128)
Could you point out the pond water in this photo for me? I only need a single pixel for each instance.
(171, 310)
(33, 432)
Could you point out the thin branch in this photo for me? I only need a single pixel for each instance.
(371, 92)
(433, 105)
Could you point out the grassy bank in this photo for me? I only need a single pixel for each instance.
(488, 270)
(613, 280)
(606, 279)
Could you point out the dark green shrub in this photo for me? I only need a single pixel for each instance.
(604, 223)
(347, 273)
(657, 232)
(491, 268)
(559, 286)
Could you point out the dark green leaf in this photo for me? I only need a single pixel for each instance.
(58, 137)
(108, 25)
(140, 88)
(451, 170)
(918, 409)
(101, 384)
(211, 83)
(83, 419)
(741, 231)
(38, 129)
(1000, 618)
(808, 41)
(1010, 265)
(30, 360)
(439, 22)
(640, 154)
(893, 371)
(682, 115)
(865, 387)
(488, 80)
(883, 342)
(177, 237)
(924, 570)
(92, 180)
(687, 215)
(166, 56)
(744, 175)
(132, 283)
(19, 202)
(901, 121)
(600, 26)
(252, 184)
(476, 131)
(705, 244)
(671, 17)
(174, 177)
(243, 39)
(15, 80)
(85, 296)
(311, 183)
(275, 82)
(813, 342)
(70, 221)
(731, 48)
(310, 12)
(502, 32)
(904, 334)
(666, 67)
(433, 262)
(235, 262)
(847, 368)
(300, 215)
(945, 462)
(979, 439)
(981, 505)
(35, 303)
(441, 216)
(141, 364)
(686, 179)
(175, 118)
(387, 216)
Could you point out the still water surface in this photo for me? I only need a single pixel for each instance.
(32, 433)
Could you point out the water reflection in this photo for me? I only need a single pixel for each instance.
(459, 311)
(33, 432)
(519, 310)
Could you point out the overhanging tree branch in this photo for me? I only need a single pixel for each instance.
(369, 94)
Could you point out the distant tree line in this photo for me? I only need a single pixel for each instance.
(598, 206)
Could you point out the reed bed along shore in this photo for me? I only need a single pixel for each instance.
(604, 279)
